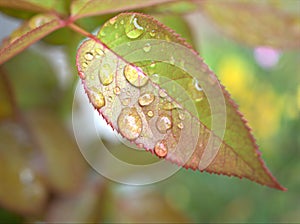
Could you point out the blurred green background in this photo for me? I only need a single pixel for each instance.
(43, 176)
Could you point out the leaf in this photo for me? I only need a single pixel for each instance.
(177, 112)
(21, 189)
(30, 32)
(43, 86)
(65, 166)
(257, 23)
(36, 5)
(81, 8)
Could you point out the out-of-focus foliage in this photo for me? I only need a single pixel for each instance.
(29, 88)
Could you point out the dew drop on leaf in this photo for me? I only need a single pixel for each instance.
(133, 30)
(150, 113)
(130, 123)
(97, 98)
(196, 84)
(106, 74)
(117, 90)
(180, 125)
(126, 101)
(134, 77)
(152, 33)
(163, 124)
(89, 56)
(161, 149)
(147, 47)
(146, 99)
(181, 115)
(99, 52)
(162, 93)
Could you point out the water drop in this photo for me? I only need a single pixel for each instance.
(172, 60)
(155, 78)
(146, 99)
(117, 90)
(161, 149)
(152, 33)
(122, 22)
(116, 26)
(99, 52)
(106, 74)
(135, 77)
(168, 106)
(84, 65)
(152, 65)
(126, 101)
(150, 113)
(162, 93)
(196, 84)
(88, 56)
(133, 30)
(130, 123)
(181, 115)
(96, 98)
(147, 47)
(163, 124)
(180, 125)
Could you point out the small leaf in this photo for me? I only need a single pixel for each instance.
(36, 5)
(30, 32)
(81, 8)
(255, 23)
(167, 100)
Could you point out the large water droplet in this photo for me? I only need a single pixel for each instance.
(133, 29)
(146, 99)
(163, 124)
(161, 149)
(147, 47)
(130, 123)
(135, 77)
(88, 56)
(96, 98)
(106, 74)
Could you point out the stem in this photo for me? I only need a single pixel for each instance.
(78, 29)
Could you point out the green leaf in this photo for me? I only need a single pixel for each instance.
(166, 99)
(44, 88)
(30, 32)
(36, 5)
(81, 8)
(255, 23)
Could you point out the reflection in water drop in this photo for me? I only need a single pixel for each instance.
(130, 123)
